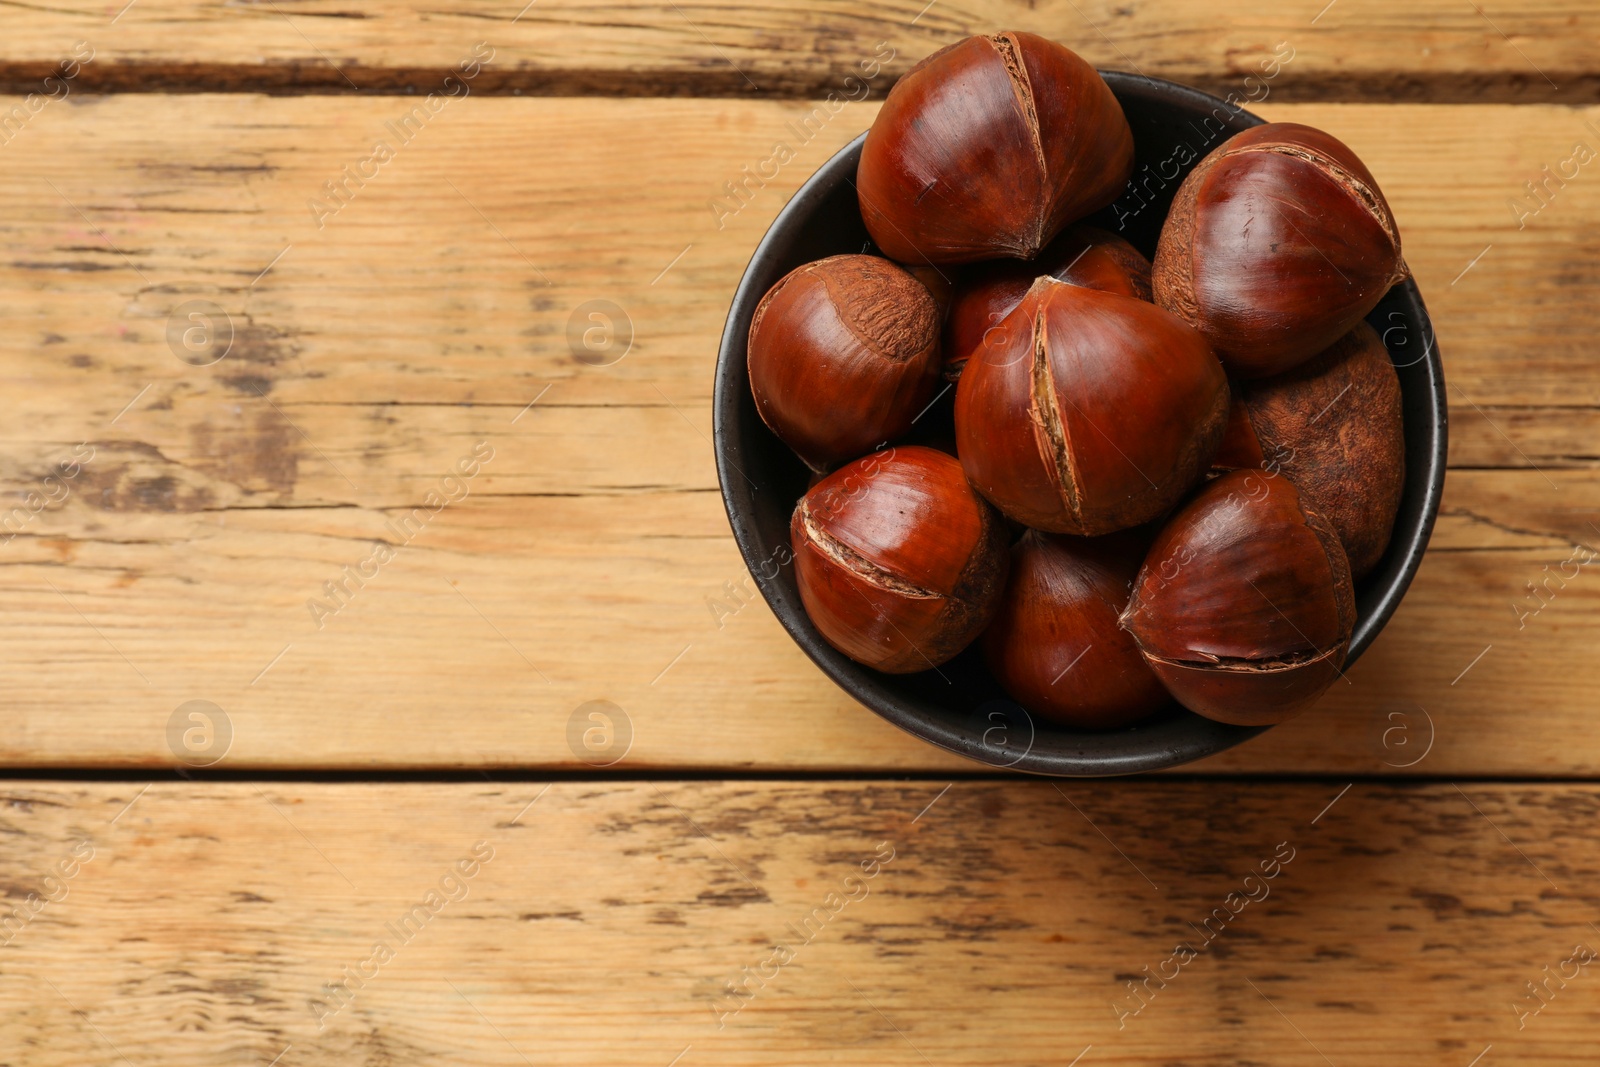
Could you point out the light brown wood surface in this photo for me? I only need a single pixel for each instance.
(200, 921)
(430, 312)
(1349, 49)
(1401, 926)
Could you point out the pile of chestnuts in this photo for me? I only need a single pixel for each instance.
(1164, 478)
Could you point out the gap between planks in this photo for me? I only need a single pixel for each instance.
(309, 78)
(423, 776)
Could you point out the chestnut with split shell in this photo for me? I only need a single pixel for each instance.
(987, 148)
(1244, 605)
(899, 563)
(1276, 245)
(1088, 412)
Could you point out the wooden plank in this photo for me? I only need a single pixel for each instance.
(1529, 436)
(591, 559)
(410, 674)
(195, 924)
(1354, 50)
(1502, 296)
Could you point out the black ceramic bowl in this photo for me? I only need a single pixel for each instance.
(961, 707)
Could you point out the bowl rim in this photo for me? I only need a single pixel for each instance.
(1178, 740)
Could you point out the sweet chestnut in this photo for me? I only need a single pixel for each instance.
(1055, 645)
(1087, 412)
(900, 564)
(1244, 606)
(1276, 245)
(843, 354)
(1333, 425)
(987, 148)
(985, 293)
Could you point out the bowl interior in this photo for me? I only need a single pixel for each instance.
(960, 707)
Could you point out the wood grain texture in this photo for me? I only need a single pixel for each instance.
(1435, 50)
(591, 559)
(1400, 924)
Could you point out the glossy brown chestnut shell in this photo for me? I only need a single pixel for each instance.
(1276, 245)
(1244, 606)
(843, 355)
(900, 564)
(1333, 426)
(1088, 412)
(987, 148)
(986, 293)
(1055, 645)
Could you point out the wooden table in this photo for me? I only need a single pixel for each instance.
(243, 346)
